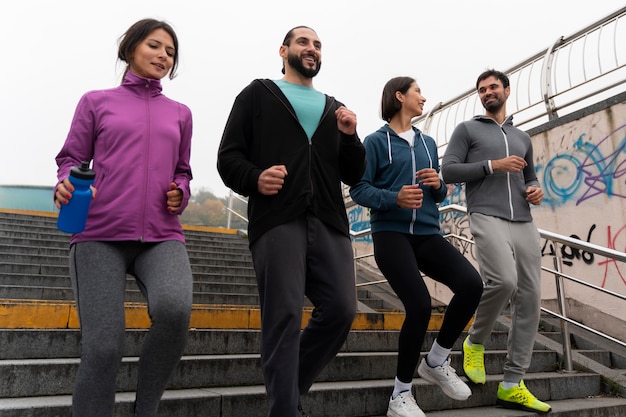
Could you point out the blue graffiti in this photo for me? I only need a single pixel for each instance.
(358, 222)
(584, 173)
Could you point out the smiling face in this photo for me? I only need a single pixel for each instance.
(304, 53)
(412, 100)
(492, 94)
(154, 56)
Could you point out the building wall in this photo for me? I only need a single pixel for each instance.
(25, 197)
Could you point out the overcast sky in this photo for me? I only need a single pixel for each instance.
(57, 50)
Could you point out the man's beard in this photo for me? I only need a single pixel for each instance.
(494, 106)
(295, 62)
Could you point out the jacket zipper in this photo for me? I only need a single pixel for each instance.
(413, 181)
(508, 174)
(146, 160)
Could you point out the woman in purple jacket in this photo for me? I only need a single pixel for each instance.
(139, 141)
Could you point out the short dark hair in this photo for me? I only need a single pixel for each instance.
(289, 36)
(389, 104)
(137, 33)
(493, 73)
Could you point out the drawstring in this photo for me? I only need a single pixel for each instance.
(430, 159)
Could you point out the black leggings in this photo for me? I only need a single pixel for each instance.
(400, 258)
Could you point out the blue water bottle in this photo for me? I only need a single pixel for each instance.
(73, 215)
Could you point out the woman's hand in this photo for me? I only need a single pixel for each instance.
(410, 196)
(428, 177)
(174, 198)
(64, 191)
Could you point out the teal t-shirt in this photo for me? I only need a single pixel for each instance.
(307, 102)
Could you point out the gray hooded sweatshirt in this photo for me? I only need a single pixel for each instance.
(500, 194)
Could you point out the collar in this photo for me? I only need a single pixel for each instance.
(141, 84)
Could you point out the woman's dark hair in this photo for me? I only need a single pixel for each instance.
(493, 73)
(137, 33)
(389, 104)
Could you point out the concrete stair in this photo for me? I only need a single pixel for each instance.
(220, 373)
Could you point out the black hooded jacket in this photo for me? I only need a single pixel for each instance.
(262, 130)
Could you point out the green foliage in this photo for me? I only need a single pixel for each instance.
(206, 209)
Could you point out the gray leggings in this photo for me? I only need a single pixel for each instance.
(98, 271)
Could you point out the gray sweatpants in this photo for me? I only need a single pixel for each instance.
(509, 257)
(98, 271)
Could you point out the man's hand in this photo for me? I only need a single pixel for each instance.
(272, 179)
(346, 121)
(511, 163)
(534, 195)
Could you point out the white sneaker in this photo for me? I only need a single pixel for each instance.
(445, 376)
(404, 405)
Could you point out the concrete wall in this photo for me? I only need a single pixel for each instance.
(580, 161)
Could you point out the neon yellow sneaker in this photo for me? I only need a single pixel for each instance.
(520, 398)
(474, 362)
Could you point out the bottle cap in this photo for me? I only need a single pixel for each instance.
(83, 171)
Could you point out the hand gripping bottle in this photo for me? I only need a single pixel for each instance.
(73, 215)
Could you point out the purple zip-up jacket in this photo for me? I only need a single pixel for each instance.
(140, 142)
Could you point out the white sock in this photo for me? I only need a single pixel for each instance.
(437, 355)
(400, 386)
(507, 385)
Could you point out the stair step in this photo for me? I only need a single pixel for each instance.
(37, 314)
(219, 374)
(55, 376)
(358, 398)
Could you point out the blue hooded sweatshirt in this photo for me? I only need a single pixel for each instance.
(391, 164)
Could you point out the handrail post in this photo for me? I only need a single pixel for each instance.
(546, 80)
(560, 291)
(354, 261)
(229, 216)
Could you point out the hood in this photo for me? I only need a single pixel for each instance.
(389, 132)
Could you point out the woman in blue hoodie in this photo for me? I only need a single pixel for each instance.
(401, 186)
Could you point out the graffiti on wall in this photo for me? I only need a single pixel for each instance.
(358, 218)
(568, 253)
(587, 171)
(610, 268)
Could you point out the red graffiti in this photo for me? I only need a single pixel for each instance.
(611, 245)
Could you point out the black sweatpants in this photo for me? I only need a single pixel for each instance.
(298, 258)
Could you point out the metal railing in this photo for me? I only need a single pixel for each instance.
(573, 70)
(232, 196)
(589, 64)
(556, 240)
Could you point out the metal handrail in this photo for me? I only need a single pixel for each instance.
(555, 239)
(229, 209)
(583, 71)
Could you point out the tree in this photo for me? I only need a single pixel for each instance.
(205, 209)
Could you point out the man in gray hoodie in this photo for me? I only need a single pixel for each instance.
(495, 160)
